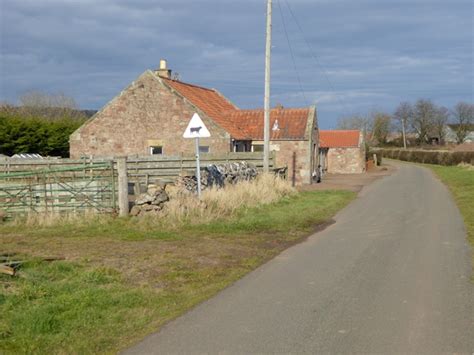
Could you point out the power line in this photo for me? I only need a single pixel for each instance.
(315, 57)
(291, 52)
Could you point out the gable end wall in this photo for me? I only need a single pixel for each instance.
(145, 112)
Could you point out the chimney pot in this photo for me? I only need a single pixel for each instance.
(162, 70)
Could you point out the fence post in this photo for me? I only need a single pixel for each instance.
(293, 173)
(122, 186)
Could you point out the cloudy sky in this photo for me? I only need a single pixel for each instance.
(347, 56)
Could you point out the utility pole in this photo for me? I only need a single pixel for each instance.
(404, 134)
(266, 119)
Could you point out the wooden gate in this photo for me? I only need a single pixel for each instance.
(71, 189)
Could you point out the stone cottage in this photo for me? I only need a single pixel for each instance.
(342, 151)
(151, 114)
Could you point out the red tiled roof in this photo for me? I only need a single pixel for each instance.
(288, 123)
(243, 124)
(339, 139)
(210, 101)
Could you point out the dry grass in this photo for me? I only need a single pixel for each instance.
(185, 208)
(53, 219)
(466, 166)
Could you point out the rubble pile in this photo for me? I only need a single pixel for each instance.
(151, 201)
(219, 175)
(189, 182)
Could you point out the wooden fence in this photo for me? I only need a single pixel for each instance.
(66, 184)
(147, 169)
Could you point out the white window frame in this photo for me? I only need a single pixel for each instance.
(156, 146)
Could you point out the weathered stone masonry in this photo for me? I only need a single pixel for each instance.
(145, 114)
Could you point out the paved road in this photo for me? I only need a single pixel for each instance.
(391, 276)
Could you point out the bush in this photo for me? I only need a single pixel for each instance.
(428, 156)
(47, 137)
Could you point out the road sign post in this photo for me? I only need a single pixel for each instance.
(198, 168)
(197, 129)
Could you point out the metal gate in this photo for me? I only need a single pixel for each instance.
(71, 189)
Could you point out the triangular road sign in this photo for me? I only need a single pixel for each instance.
(196, 128)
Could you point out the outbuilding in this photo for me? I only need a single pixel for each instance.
(342, 151)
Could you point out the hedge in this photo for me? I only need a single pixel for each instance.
(36, 135)
(428, 156)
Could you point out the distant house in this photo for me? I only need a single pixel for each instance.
(342, 151)
(451, 136)
(151, 114)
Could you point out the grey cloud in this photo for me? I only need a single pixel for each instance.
(374, 53)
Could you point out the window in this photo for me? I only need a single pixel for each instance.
(257, 148)
(242, 146)
(203, 149)
(156, 150)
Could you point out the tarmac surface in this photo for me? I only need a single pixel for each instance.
(392, 275)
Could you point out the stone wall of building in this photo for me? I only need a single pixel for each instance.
(145, 114)
(284, 151)
(346, 160)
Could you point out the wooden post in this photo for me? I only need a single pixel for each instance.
(122, 186)
(112, 175)
(293, 175)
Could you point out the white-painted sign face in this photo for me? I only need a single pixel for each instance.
(196, 128)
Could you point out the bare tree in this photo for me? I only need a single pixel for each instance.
(380, 127)
(463, 114)
(440, 120)
(403, 114)
(423, 119)
(354, 122)
(52, 106)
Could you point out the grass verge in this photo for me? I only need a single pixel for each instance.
(124, 278)
(460, 181)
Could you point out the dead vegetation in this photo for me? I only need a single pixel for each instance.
(218, 203)
(466, 166)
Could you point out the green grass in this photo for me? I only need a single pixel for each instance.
(292, 214)
(460, 180)
(125, 278)
(62, 307)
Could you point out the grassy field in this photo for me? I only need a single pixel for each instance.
(460, 181)
(123, 278)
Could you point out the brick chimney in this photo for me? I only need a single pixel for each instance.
(163, 71)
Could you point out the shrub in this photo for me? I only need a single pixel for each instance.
(429, 156)
(47, 137)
